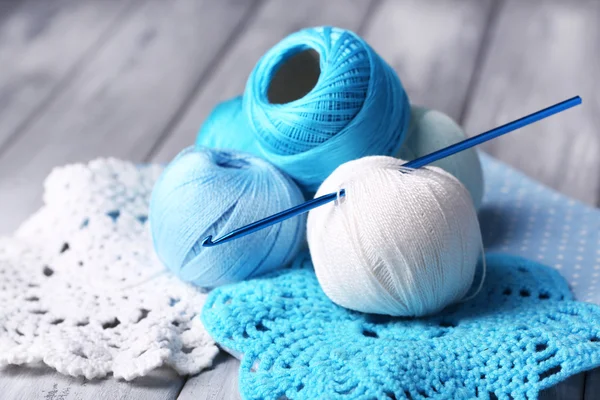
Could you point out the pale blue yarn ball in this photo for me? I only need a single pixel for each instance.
(317, 99)
(432, 130)
(211, 192)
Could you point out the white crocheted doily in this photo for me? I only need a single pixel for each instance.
(82, 290)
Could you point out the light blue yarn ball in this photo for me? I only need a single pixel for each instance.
(317, 99)
(432, 130)
(211, 192)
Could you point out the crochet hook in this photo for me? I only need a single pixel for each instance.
(414, 164)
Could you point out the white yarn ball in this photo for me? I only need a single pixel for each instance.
(402, 244)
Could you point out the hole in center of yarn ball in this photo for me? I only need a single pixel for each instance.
(228, 160)
(295, 78)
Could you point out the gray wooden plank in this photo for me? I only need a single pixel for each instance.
(40, 382)
(41, 43)
(543, 52)
(123, 99)
(6, 10)
(275, 20)
(592, 385)
(569, 389)
(433, 45)
(218, 383)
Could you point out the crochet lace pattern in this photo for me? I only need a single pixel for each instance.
(81, 288)
(521, 334)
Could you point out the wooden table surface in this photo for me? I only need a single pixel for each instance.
(134, 79)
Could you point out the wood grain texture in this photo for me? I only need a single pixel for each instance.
(31, 383)
(121, 102)
(569, 389)
(543, 52)
(275, 20)
(433, 45)
(592, 385)
(41, 43)
(218, 383)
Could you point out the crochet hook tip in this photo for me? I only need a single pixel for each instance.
(207, 242)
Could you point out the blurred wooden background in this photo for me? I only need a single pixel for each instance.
(134, 79)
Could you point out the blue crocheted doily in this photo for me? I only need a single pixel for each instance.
(521, 334)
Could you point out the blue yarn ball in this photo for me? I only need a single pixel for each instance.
(211, 192)
(317, 99)
(432, 130)
(227, 128)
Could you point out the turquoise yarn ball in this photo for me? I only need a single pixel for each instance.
(227, 128)
(211, 192)
(432, 130)
(317, 99)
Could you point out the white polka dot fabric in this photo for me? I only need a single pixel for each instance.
(523, 217)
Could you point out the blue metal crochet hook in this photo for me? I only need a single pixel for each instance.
(414, 164)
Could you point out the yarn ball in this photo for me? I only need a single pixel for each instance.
(401, 243)
(317, 99)
(227, 127)
(211, 192)
(432, 130)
